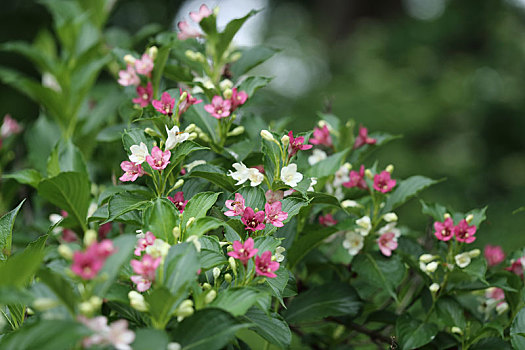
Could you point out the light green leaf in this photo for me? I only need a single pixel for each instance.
(237, 300)
(252, 84)
(6, 231)
(180, 269)
(406, 189)
(124, 202)
(160, 218)
(147, 339)
(29, 177)
(198, 206)
(203, 225)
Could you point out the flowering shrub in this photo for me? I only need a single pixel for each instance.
(223, 232)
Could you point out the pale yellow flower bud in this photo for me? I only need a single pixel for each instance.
(265, 134)
(65, 252)
(368, 173)
(225, 84)
(432, 267)
(434, 287)
(210, 296)
(193, 136)
(228, 94)
(216, 272)
(237, 131)
(206, 286)
(348, 166)
(136, 300)
(191, 128)
(235, 56)
(228, 278)
(446, 216)
(390, 168)
(152, 52)
(90, 237)
(178, 184)
(474, 253)
(285, 140)
(426, 258)
(129, 59)
(176, 233)
(469, 218)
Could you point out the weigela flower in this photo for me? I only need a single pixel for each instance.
(341, 176)
(187, 31)
(178, 201)
(327, 220)
(236, 206)
(517, 266)
(495, 293)
(465, 232)
(104, 229)
(383, 183)
(353, 242)
(143, 242)
(138, 153)
(146, 267)
(187, 102)
(158, 160)
(87, 264)
(144, 66)
(175, 137)
(273, 196)
(165, 105)
(128, 77)
(159, 248)
(144, 95)
(218, 108)
(131, 171)
(363, 139)
(296, 144)
(252, 220)
(279, 257)
(317, 156)
(357, 179)
(364, 225)
(387, 242)
(243, 174)
(9, 127)
(117, 334)
(204, 12)
(444, 230)
(493, 254)
(274, 214)
(243, 252)
(463, 260)
(321, 137)
(290, 175)
(265, 266)
(238, 98)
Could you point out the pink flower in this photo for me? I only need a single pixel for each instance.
(464, 232)
(144, 95)
(383, 183)
(128, 77)
(158, 160)
(296, 144)
(143, 284)
(120, 336)
(204, 12)
(357, 179)
(495, 293)
(178, 200)
(253, 221)
(165, 105)
(272, 196)
(274, 214)
(9, 127)
(387, 242)
(516, 267)
(190, 100)
(494, 254)
(218, 108)
(143, 242)
(259, 167)
(363, 139)
(103, 249)
(144, 66)
(69, 235)
(444, 230)
(243, 252)
(146, 267)
(327, 220)
(238, 98)
(117, 334)
(322, 137)
(265, 266)
(104, 229)
(236, 206)
(187, 31)
(86, 264)
(131, 171)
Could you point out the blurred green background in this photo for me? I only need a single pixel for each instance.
(447, 75)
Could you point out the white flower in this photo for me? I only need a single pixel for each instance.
(206, 82)
(390, 217)
(434, 287)
(313, 182)
(390, 227)
(432, 267)
(159, 248)
(462, 260)
(290, 175)
(317, 156)
(175, 136)
(174, 346)
(255, 177)
(241, 175)
(136, 300)
(456, 330)
(341, 176)
(474, 253)
(225, 84)
(350, 204)
(193, 164)
(353, 242)
(49, 80)
(279, 257)
(426, 258)
(365, 225)
(216, 272)
(502, 307)
(138, 153)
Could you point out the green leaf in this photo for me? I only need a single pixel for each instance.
(66, 157)
(7, 223)
(135, 137)
(406, 189)
(271, 327)
(328, 166)
(436, 211)
(237, 300)
(183, 150)
(478, 216)
(253, 197)
(516, 329)
(122, 203)
(215, 175)
(359, 155)
(203, 225)
(180, 269)
(70, 191)
(278, 284)
(334, 299)
(413, 334)
(160, 218)
(207, 329)
(199, 205)
(29, 177)
(251, 57)
(229, 32)
(147, 339)
(161, 304)
(252, 84)
(60, 286)
(451, 312)
(196, 114)
(324, 198)
(305, 243)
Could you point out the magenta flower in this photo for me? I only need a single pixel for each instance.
(296, 144)
(104, 229)
(103, 249)
(87, 264)
(464, 232)
(243, 252)
(516, 267)
(495, 293)
(327, 220)
(131, 171)
(69, 235)
(190, 100)
(322, 137)
(128, 77)
(444, 230)
(146, 267)
(158, 160)
(204, 12)
(187, 31)
(238, 98)
(178, 200)
(9, 127)
(274, 214)
(144, 66)
(273, 196)
(383, 183)
(387, 242)
(357, 179)
(363, 139)
(253, 221)
(265, 266)
(236, 206)
(165, 105)
(218, 108)
(144, 95)
(143, 242)
(494, 254)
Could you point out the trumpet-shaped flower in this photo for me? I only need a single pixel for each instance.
(178, 201)
(253, 221)
(493, 254)
(204, 12)
(317, 156)
(128, 77)
(357, 179)
(341, 176)
(144, 66)
(517, 266)
(364, 225)
(387, 242)
(296, 144)
(218, 108)
(463, 260)
(117, 334)
(187, 102)
(383, 183)
(138, 153)
(187, 31)
(158, 160)
(144, 95)
(238, 98)
(444, 230)
(465, 232)
(86, 265)
(241, 173)
(321, 137)
(131, 171)
(146, 267)
(363, 139)
(353, 242)
(165, 105)
(236, 206)
(243, 252)
(143, 242)
(9, 127)
(265, 266)
(255, 177)
(175, 137)
(274, 214)
(290, 175)
(327, 220)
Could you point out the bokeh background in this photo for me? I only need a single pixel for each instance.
(447, 75)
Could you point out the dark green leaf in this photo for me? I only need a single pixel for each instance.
(271, 327)
(60, 286)
(405, 190)
(6, 231)
(413, 334)
(198, 206)
(122, 203)
(436, 211)
(253, 197)
(236, 300)
(517, 327)
(328, 166)
(252, 84)
(147, 339)
(251, 57)
(160, 218)
(215, 175)
(180, 269)
(306, 243)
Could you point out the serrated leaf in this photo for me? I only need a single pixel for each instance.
(413, 334)
(7, 223)
(203, 225)
(160, 218)
(405, 190)
(215, 175)
(180, 269)
(198, 206)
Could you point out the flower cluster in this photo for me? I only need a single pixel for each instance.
(463, 232)
(152, 251)
(264, 263)
(88, 263)
(222, 108)
(256, 220)
(117, 334)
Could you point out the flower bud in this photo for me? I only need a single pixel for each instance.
(474, 253)
(469, 218)
(183, 96)
(432, 267)
(462, 260)
(185, 309)
(204, 137)
(216, 272)
(434, 287)
(129, 59)
(65, 252)
(43, 304)
(85, 308)
(285, 140)
(136, 300)
(456, 330)
(389, 168)
(90, 237)
(321, 123)
(235, 56)
(206, 286)
(152, 52)
(151, 132)
(349, 204)
(233, 265)
(502, 307)
(368, 173)
(95, 302)
(426, 258)
(190, 54)
(190, 221)
(265, 134)
(191, 128)
(228, 278)
(176, 233)
(348, 166)
(237, 131)
(228, 94)
(193, 136)
(210, 296)
(390, 217)
(199, 57)
(446, 216)
(178, 184)
(225, 84)
(174, 346)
